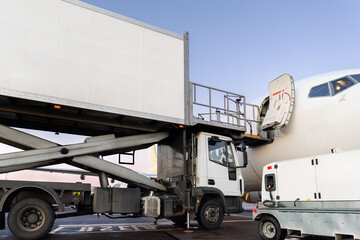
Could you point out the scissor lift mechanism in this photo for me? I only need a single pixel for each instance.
(40, 152)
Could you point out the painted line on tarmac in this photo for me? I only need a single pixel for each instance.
(112, 224)
(121, 227)
(229, 221)
(242, 216)
(113, 228)
(121, 231)
(56, 230)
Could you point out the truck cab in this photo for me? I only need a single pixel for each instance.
(218, 164)
(215, 176)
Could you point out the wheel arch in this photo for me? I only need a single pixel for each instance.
(260, 216)
(9, 196)
(211, 193)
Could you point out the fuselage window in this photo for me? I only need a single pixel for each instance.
(320, 91)
(356, 77)
(341, 84)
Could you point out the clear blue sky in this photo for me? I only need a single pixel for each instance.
(241, 45)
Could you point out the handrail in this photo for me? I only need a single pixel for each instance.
(232, 112)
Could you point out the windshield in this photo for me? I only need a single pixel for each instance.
(320, 91)
(356, 77)
(341, 84)
(334, 87)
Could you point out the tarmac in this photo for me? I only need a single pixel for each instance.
(93, 227)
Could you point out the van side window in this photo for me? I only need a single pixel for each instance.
(341, 84)
(231, 163)
(270, 182)
(320, 91)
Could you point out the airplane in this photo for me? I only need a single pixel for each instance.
(320, 115)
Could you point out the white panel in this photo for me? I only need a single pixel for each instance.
(296, 179)
(337, 176)
(61, 50)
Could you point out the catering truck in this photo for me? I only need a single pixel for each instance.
(70, 67)
(314, 196)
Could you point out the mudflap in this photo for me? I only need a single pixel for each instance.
(2, 220)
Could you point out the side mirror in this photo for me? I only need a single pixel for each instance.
(243, 158)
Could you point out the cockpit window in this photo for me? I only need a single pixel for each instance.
(341, 84)
(334, 87)
(320, 91)
(356, 77)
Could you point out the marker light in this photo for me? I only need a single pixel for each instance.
(269, 167)
(57, 107)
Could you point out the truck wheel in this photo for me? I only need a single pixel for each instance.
(31, 218)
(269, 229)
(179, 220)
(210, 215)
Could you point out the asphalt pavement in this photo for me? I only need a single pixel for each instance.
(237, 226)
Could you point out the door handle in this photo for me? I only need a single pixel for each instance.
(211, 181)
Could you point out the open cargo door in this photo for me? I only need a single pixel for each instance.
(282, 99)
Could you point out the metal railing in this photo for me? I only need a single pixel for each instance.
(219, 106)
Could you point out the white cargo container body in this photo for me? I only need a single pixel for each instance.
(104, 72)
(68, 52)
(327, 177)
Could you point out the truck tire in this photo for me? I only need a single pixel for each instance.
(210, 215)
(31, 218)
(269, 229)
(179, 220)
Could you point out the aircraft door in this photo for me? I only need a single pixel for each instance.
(281, 103)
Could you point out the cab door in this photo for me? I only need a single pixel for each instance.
(281, 103)
(221, 171)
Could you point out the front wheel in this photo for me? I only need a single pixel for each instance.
(31, 218)
(269, 229)
(210, 215)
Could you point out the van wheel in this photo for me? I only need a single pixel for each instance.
(210, 215)
(269, 229)
(31, 218)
